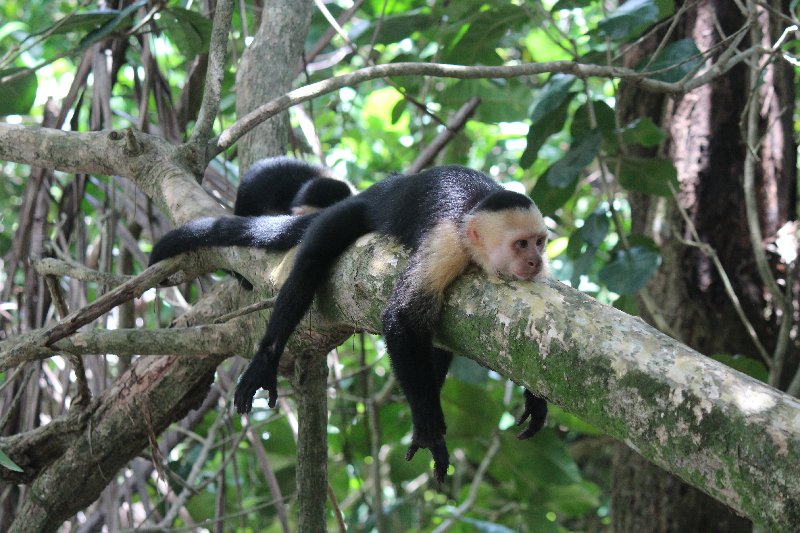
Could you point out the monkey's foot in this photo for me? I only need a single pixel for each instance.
(536, 410)
(258, 375)
(441, 457)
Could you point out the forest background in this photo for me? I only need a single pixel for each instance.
(658, 138)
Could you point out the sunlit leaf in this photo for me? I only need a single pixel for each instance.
(6, 462)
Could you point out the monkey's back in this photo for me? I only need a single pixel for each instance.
(406, 207)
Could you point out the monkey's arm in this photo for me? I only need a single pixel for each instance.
(270, 233)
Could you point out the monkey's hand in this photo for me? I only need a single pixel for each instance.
(536, 410)
(259, 374)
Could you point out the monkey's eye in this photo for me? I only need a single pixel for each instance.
(522, 244)
(540, 242)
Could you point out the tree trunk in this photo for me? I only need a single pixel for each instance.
(267, 70)
(708, 150)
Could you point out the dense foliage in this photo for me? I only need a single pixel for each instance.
(558, 137)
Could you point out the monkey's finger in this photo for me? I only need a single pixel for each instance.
(273, 396)
(411, 451)
(441, 460)
(243, 398)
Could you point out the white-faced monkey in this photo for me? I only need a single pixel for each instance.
(448, 217)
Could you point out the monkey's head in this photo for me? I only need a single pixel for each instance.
(319, 193)
(506, 236)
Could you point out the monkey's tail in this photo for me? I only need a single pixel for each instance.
(277, 233)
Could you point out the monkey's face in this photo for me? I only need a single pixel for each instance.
(520, 256)
(509, 243)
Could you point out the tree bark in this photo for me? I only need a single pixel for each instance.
(267, 70)
(706, 146)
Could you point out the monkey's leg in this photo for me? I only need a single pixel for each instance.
(327, 237)
(441, 364)
(536, 409)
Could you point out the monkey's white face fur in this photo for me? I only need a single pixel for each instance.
(508, 243)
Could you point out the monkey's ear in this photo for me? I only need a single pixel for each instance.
(473, 235)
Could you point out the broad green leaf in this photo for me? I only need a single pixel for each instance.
(648, 175)
(629, 270)
(477, 43)
(643, 131)
(606, 123)
(540, 131)
(188, 30)
(6, 462)
(548, 198)
(576, 499)
(631, 18)
(676, 61)
(501, 100)
(595, 227)
(566, 170)
(17, 91)
(552, 94)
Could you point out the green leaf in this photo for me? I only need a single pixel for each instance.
(111, 25)
(648, 175)
(394, 28)
(398, 109)
(552, 95)
(188, 30)
(643, 131)
(582, 125)
(84, 21)
(677, 60)
(629, 270)
(595, 227)
(571, 4)
(478, 42)
(17, 91)
(6, 461)
(747, 365)
(548, 198)
(540, 131)
(501, 100)
(631, 18)
(566, 170)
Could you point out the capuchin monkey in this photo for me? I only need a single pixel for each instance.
(282, 185)
(448, 217)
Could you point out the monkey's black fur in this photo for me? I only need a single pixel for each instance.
(274, 185)
(408, 208)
